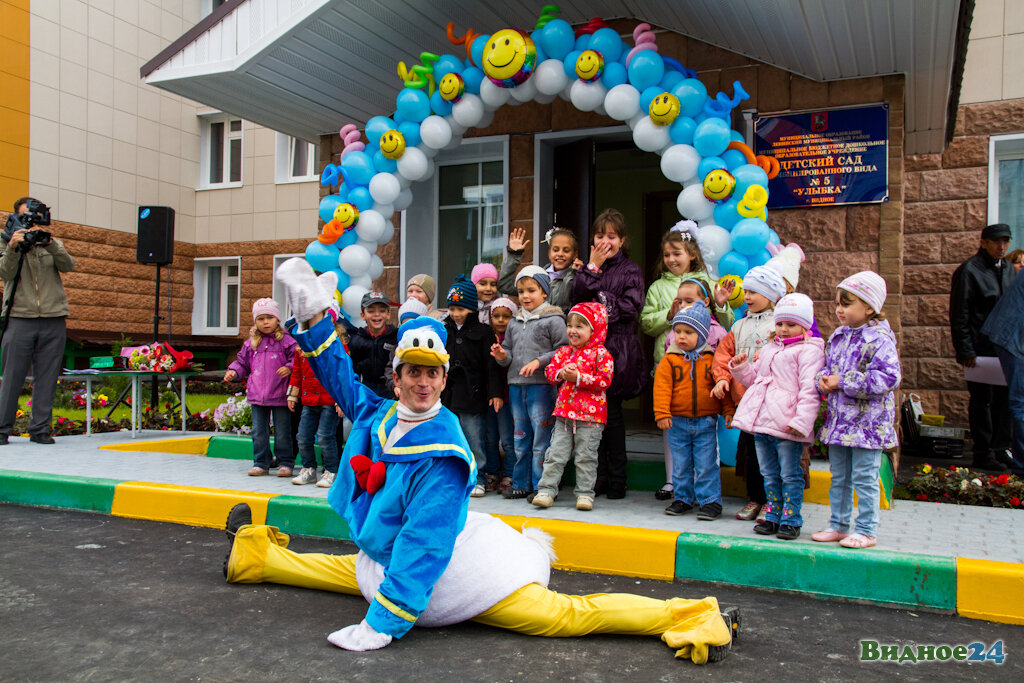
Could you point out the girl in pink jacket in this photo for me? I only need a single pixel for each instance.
(779, 408)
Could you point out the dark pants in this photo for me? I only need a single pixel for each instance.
(752, 474)
(37, 343)
(611, 454)
(284, 449)
(1013, 369)
(988, 412)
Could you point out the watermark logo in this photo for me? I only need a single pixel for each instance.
(873, 651)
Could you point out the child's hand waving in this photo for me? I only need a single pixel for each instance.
(516, 239)
(738, 360)
(723, 291)
(497, 352)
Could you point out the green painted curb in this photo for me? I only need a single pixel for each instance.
(888, 480)
(235, 447)
(306, 517)
(874, 575)
(54, 490)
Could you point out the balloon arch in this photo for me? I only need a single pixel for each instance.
(724, 186)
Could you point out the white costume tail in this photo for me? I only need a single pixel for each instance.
(543, 539)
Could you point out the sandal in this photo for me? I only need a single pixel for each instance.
(515, 493)
(857, 541)
(505, 485)
(492, 483)
(829, 535)
(665, 492)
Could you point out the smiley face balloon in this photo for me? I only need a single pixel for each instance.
(452, 87)
(509, 58)
(347, 214)
(664, 108)
(589, 66)
(718, 185)
(392, 146)
(736, 298)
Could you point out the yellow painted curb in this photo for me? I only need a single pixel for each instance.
(605, 549)
(821, 480)
(184, 504)
(190, 445)
(985, 590)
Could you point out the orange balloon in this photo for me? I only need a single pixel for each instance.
(331, 232)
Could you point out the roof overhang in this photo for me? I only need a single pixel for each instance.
(305, 67)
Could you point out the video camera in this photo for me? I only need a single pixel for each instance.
(37, 214)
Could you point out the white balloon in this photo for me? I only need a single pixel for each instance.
(636, 120)
(402, 180)
(457, 128)
(492, 95)
(404, 200)
(649, 136)
(622, 102)
(545, 99)
(550, 77)
(691, 180)
(469, 110)
(693, 204)
(565, 93)
(586, 96)
(413, 164)
(680, 162)
(370, 226)
(487, 119)
(429, 152)
(384, 187)
(354, 259)
(716, 242)
(376, 267)
(385, 210)
(367, 245)
(389, 232)
(599, 109)
(352, 303)
(435, 131)
(525, 91)
(364, 281)
(431, 167)
(455, 142)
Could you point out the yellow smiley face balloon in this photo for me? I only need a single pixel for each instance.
(346, 214)
(589, 66)
(736, 298)
(718, 185)
(664, 109)
(392, 144)
(452, 87)
(509, 58)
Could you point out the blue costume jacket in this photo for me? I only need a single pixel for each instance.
(409, 526)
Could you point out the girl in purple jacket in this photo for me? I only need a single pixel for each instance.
(860, 377)
(266, 359)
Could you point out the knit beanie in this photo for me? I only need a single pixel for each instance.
(795, 308)
(697, 317)
(462, 293)
(424, 282)
(867, 286)
(766, 282)
(412, 308)
(482, 270)
(504, 302)
(538, 274)
(265, 307)
(786, 261)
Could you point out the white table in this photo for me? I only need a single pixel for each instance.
(136, 392)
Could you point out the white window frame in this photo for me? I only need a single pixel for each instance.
(1002, 148)
(284, 151)
(206, 121)
(207, 6)
(200, 270)
(277, 291)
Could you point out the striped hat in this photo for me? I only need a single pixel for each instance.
(697, 317)
(795, 308)
(765, 281)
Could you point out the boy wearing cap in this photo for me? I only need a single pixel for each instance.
(370, 347)
(685, 409)
(474, 380)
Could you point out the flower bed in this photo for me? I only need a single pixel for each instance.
(961, 486)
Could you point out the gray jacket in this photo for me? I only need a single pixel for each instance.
(40, 291)
(537, 338)
(561, 287)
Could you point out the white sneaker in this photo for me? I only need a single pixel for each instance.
(307, 475)
(543, 500)
(326, 479)
(478, 491)
(584, 503)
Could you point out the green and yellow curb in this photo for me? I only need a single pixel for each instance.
(990, 590)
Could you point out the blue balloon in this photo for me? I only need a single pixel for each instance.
(541, 54)
(773, 237)
(741, 311)
(646, 69)
(347, 239)
(733, 158)
(608, 43)
(557, 38)
(476, 51)
(377, 126)
(747, 175)
(413, 104)
(473, 77)
(446, 64)
(343, 279)
(691, 94)
(397, 118)
(569, 64)
(582, 43)
(726, 215)
(411, 132)
(322, 257)
(671, 79)
(707, 165)
(728, 440)
(733, 263)
(711, 137)
(439, 105)
(331, 175)
(760, 258)
(681, 130)
(383, 164)
(614, 74)
(361, 198)
(357, 168)
(327, 206)
(738, 137)
(647, 96)
(750, 236)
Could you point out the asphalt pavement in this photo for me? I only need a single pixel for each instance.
(86, 596)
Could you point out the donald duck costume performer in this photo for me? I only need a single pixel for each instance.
(403, 488)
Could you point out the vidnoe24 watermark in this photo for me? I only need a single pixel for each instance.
(873, 651)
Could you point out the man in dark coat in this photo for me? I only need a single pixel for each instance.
(977, 285)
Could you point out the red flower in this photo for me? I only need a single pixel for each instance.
(922, 496)
(952, 468)
(946, 495)
(1003, 479)
(1015, 502)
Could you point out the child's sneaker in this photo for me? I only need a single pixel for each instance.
(285, 471)
(326, 479)
(766, 528)
(543, 500)
(307, 475)
(258, 472)
(584, 503)
(710, 512)
(677, 508)
(749, 511)
(788, 532)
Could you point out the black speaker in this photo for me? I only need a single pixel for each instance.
(156, 235)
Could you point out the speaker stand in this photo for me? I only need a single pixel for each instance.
(156, 337)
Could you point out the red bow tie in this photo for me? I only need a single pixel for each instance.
(370, 475)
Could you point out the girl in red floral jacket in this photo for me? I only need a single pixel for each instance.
(584, 371)
(319, 420)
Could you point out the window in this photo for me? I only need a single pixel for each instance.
(221, 160)
(471, 217)
(278, 289)
(215, 302)
(1006, 184)
(295, 160)
(209, 5)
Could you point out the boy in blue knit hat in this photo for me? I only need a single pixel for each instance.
(685, 409)
(474, 380)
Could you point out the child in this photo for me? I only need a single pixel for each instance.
(474, 384)
(786, 262)
(499, 423)
(422, 287)
(762, 288)
(563, 264)
(319, 420)
(584, 370)
(531, 340)
(485, 277)
(779, 408)
(1016, 259)
(412, 308)
(371, 347)
(861, 374)
(265, 359)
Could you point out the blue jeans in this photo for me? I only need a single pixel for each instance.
(779, 460)
(532, 420)
(695, 473)
(282, 438)
(500, 435)
(1013, 369)
(317, 425)
(474, 426)
(854, 468)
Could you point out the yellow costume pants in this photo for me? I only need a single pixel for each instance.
(260, 555)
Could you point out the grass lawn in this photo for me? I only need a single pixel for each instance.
(196, 404)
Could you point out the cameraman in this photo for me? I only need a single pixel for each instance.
(30, 266)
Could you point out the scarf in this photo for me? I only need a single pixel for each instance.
(408, 420)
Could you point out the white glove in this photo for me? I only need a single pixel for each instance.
(307, 293)
(359, 638)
